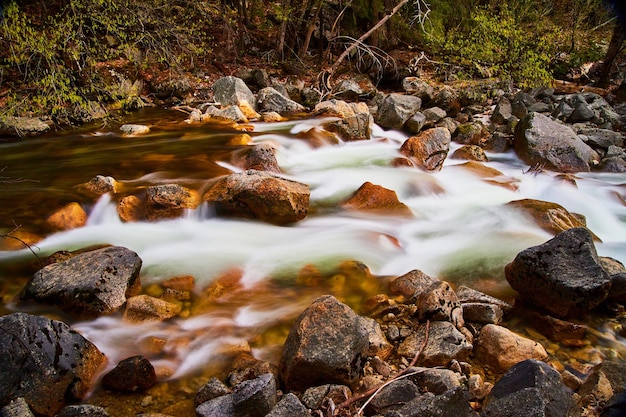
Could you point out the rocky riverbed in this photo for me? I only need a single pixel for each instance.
(421, 346)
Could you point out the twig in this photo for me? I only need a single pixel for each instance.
(30, 247)
(373, 391)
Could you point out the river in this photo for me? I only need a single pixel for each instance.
(461, 231)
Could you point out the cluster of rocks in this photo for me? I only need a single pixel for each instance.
(421, 348)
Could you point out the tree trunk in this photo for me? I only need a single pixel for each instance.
(615, 47)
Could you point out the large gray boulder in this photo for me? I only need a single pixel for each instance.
(541, 140)
(562, 276)
(23, 126)
(530, 388)
(259, 195)
(234, 91)
(270, 100)
(396, 109)
(45, 362)
(88, 284)
(327, 344)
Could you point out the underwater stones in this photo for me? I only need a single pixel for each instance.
(428, 149)
(396, 109)
(500, 348)
(562, 276)
(145, 308)
(259, 195)
(327, 344)
(45, 362)
(541, 140)
(90, 284)
(444, 343)
(168, 201)
(132, 130)
(130, 375)
(530, 388)
(70, 216)
(376, 199)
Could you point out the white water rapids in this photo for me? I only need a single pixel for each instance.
(461, 230)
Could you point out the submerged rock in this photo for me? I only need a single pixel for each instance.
(260, 195)
(91, 283)
(562, 276)
(45, 362)
(327, 344)
(70, 216)
(130, 375)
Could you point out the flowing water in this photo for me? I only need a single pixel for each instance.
(252, 278)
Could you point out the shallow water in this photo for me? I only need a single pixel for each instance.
(461, 231)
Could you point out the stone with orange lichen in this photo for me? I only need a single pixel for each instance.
(131, 209)
(145, 308)
(375, 198)
(169, 201)
(182, 283)
(68, 217)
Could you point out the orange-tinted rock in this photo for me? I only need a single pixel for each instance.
(375, 198)
(470, 152)
(131, 209)
(182, 283)
(551, 217)
(68, 217)
(488, 174)
(145, 308)
(18, 239)
(169, 201)
(429, 149)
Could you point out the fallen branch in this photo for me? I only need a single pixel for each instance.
(30, 247)
(371, 393)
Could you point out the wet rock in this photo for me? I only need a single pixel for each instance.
(130, 375)
(540, 140)
(212, 389)
(70, 216)
(289, 406)
(378, 344)
(396, 109)
(83, 410)
(233, 91)
(482, 313)
(470, 295)
(428, 149)
(444, 344)
(551, 217)
(131, 130)
(218, 407)
(601, 138)
(434, 299)
(100, 185)
(502, 112)
(357, 127)
(616, 407)
(478, 389)
(272, 117)
(260, 157)
(49, 365)
(434, 380)
(339, 108)
(614, 374)
(500, 348)
(376, 199)
(269, 99)
(16, 408)
(91, 283)
(470, 152)
(451, 403)
(168, 201)
(255, 397)
(418, 87)
(562, 275)
(327, 344)
(260, 195)
(315, 398)
(567, 332)
(472, 133)
(230, 113)
(145, 308)
(393, 396)
(131, 209)
(23, 126)
(246, 367)
(530, 388)
(617, 292)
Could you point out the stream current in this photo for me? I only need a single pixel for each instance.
(461, 230)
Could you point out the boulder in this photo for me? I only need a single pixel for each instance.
(130, 375)
(338, 108)
(327, 344)
(551, 217)
(131, 209)
(530, 388)
(433, 115)
(218, 407)
(289, 406)
(232, 113)
(562, 276)
(23, 126)
(393, 396)
(482, 313)
(356, 127)
(415, 123)
(444, 344)
(45, 362)
(168, 87)
(428, 149)
(70, 216)
(502, 112)
(16, 408)
(454, 402)
(354, 89)
(260, 156)
(132, 130)
(614, 160)
(233, 91)
(500, 348)
(612, 373)
(100, 185)
(470, 295)
(448, 99)
(601, 138)
(541, 140)
(145, 308)
(378, 344)
(259, 195)
(169, 201)
(435, 380)
(470, 153)
(212, 389)
(376, 199)
(396, 109)
(90, 284)
(582, 112)
(255, 397)
(471, 133)
(418, 87)
(434, 299)
(270, 100)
